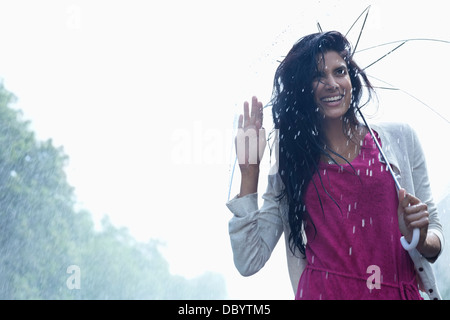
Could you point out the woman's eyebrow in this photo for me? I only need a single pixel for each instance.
(341, 65)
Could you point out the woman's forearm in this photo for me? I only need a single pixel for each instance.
(431, 247)
(249, 182)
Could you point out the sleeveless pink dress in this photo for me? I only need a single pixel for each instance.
(356, 251)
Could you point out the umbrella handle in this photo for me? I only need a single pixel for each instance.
(414, 241)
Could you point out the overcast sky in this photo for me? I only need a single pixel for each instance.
(142, 95)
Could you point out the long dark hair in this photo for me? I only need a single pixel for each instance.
(295, 115)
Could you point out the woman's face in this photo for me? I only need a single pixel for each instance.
(332, 86)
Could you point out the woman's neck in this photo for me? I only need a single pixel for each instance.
(344, 141)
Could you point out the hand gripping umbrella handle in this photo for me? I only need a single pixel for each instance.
(416, 232)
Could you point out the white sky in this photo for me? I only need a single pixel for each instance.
(142, 95)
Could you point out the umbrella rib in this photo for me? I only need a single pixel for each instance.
(384, 56)
(412, 96)
(404, 40)
(319, 27)
(362, 28)
(348, 31)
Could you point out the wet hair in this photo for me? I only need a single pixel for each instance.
(300, 124)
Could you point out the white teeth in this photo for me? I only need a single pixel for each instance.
(332, 99)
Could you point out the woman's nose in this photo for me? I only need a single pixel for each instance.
(330, 83)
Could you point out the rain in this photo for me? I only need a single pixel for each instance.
(118, 126)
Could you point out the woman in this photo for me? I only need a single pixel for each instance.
(330, 191)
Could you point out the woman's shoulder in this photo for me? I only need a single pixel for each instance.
(394, 130)
(392, 127)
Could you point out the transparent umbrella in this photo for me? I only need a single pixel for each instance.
(397, 44)
(411, 80)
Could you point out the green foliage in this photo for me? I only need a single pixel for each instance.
(41, 234)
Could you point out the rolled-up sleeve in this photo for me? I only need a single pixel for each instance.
(422, 189)
(254, 232)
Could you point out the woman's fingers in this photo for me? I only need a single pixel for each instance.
(251, 138)
(253, 116)
(246, 114)
(416, 216)
(257, 112)
(413, 213)
(240, 121)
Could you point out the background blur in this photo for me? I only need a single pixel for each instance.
(118, 123)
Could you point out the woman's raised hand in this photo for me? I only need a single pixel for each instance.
(250, 145)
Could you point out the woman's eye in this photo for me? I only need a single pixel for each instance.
(341, 71)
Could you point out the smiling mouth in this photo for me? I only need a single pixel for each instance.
(332, 99)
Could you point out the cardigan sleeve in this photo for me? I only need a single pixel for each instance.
(255, 232)
(422, 189)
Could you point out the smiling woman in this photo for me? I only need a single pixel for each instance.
(332, 86)
(330, 191)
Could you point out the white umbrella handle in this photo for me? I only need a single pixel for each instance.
(414, 241)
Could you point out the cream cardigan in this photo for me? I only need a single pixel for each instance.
(254, 231)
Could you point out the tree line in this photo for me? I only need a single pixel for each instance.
(51, 250)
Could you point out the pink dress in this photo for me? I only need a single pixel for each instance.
(356, 252)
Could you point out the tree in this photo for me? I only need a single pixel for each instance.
(42, 235)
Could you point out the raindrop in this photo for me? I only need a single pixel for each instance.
(13, 173)
(363, 223)
(350, 251)
(354, 228)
